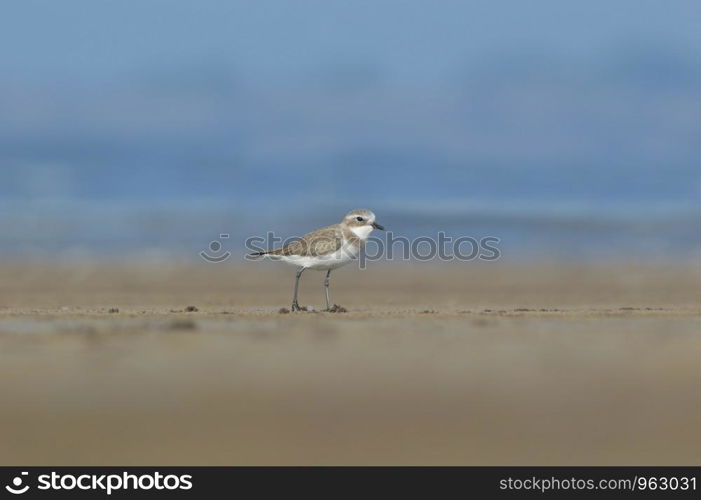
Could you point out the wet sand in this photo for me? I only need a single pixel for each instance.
(453, 364)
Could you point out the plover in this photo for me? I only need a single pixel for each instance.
(327, 248)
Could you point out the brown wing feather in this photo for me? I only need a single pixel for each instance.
(320, 242)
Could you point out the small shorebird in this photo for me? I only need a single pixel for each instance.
(327, 248)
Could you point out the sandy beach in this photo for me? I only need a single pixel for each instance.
(560, 364)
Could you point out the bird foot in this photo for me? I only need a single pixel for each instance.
(296, 307)
(336, 309)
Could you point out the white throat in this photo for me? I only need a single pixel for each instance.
(361, 232)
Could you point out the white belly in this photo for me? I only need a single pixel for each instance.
(333, 260)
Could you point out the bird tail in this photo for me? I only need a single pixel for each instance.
(259, 255)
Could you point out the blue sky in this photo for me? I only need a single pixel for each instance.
(264, 40)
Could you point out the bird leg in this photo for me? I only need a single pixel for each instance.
(295, 304)
(326, 289)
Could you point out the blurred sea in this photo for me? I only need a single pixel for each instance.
(578, 168)
(567, 149)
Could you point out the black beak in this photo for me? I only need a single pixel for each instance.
(378, 226)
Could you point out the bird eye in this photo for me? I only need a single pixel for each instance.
(359, 219)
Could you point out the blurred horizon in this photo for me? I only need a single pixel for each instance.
(569, 131)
